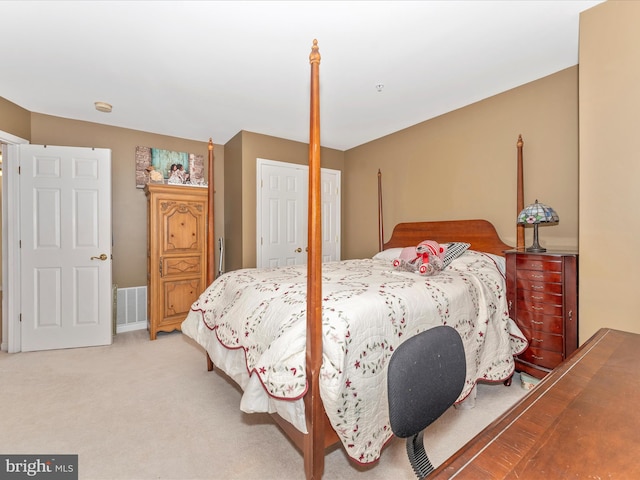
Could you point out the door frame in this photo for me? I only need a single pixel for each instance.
(11, 334)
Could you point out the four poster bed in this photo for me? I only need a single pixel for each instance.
(310, 344)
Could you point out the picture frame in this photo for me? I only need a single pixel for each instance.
(156, 165)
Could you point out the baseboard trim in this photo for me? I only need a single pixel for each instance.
(130, 327)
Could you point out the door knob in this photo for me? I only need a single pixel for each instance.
(298, 250)
(102, 257)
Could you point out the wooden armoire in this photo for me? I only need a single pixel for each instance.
(176, 255)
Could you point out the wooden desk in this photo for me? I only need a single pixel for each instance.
(581, 421)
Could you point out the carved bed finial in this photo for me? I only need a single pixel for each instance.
(314, 56)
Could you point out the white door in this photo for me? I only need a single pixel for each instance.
(330, 201)
(282, 216)
(282, 199)
(65, 255)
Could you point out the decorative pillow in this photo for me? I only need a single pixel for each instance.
(454, 250)
(388, 255)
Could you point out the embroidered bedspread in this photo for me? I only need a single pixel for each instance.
(368, 310)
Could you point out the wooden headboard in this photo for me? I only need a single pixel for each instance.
(481, 234)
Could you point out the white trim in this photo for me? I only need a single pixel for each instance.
(130, 327)
(11, 340)
(6, 137)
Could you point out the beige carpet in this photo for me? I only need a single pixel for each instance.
(150, 410)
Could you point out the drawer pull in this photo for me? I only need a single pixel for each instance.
(533, 307)
(537, 340)
(533, 297)
(537, 287)
(536, 323)
(537, 357)
(536, 276)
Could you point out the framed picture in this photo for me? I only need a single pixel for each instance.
(168, 162)
(155, 165)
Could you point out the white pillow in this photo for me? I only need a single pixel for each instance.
(500, 262)
(388, 255)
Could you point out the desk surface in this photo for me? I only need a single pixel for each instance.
(581, 421)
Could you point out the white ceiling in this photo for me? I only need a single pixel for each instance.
(210, 69)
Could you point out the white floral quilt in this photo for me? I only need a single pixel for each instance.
(368, 310)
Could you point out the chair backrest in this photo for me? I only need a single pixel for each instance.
(425, 377)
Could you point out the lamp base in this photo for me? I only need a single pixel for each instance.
(535, 248)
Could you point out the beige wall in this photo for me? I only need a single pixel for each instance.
(609, 167)
(241, 153)
(14, 119)
(462, 165)
(129, 208)
(459, 165)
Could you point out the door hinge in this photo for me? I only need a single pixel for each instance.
(160, 266)
(20, 317)
(18, 169)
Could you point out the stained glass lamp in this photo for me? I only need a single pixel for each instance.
(535, 214)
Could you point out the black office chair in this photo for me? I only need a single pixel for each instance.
(425, 377)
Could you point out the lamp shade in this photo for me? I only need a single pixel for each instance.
(535, 214)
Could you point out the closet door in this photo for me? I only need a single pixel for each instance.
(282, 198)
(281, 214)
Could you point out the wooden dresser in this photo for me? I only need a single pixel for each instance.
(176, 256)
(542, 292)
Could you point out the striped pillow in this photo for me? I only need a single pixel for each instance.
(454, 250)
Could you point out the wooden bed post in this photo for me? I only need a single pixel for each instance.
(211, 262)
(380, 221)
(314, 411)
(211, 257)
(520, 199)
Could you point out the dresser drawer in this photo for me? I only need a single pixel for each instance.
(539, 286)
(539, 262)
(544, 340)
(537, 308)
(539, 276)
(541, 323)
(531, 297)
(181, 265)
(544, 358)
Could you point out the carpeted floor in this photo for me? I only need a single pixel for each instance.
(150, 410)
